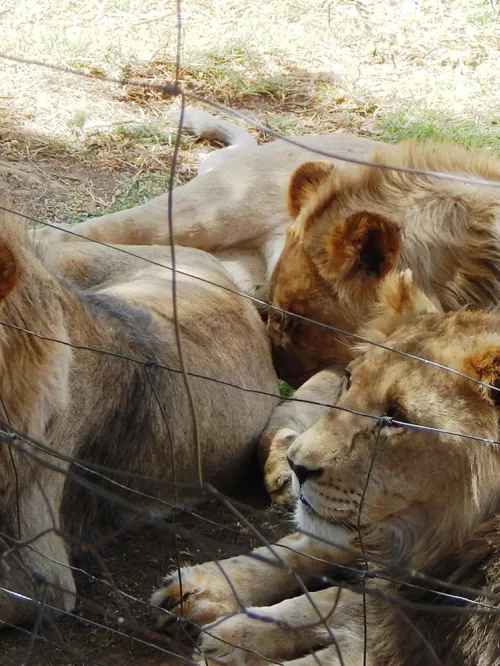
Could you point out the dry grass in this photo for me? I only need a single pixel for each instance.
(390, 69)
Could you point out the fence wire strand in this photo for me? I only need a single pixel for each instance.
(171, 90)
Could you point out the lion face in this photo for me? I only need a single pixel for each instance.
(301, 348)
(413, 485)
(335, 256)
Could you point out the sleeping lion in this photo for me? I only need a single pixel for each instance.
(234, 209)
(369, 491)
(351, 228)
(90, 369)
(316, 238)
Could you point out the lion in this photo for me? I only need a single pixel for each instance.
(352, 227)
(91, 383)
(397, 479)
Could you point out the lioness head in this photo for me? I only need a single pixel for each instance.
(335, 255)
(416, 491)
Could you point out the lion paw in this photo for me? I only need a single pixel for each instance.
(200, 596)
(277, 472)
(235, 641)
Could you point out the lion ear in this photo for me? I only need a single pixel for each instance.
(8, 271)
(399, 299)
(399, 296)
(363, 247)
(304, 182)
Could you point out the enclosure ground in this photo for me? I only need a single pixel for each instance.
(135, 564)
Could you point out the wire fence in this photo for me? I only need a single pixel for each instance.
(115, 615)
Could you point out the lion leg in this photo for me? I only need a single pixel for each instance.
(146, 224)
(206, 215)
(211, 590)
(290, 419)
(288, 630)
(39, 573)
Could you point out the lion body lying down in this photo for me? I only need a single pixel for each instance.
(418, 500)
(105, 410)
(353, 224)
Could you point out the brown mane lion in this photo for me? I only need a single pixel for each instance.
(352, 227)
(421, 499)
(131, 417)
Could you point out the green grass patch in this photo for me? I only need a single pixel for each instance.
(144, 133)
(134, 192)
(139, 189)
(286, 391)
(285, 125)
(398, 126)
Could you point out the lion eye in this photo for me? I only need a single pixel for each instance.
(347, 381)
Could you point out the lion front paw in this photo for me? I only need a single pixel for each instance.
(201, 595)
(277, 472)
(235, 641)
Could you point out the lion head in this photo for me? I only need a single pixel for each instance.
(411, 490)
(352, 226)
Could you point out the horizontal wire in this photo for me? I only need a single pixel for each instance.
(85, 620)
(229, 505)
(218, 496)
(150, 363)
(86, 660)
(176, 529)
(401, 570)
(355, 588)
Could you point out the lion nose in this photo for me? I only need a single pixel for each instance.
(303, 473)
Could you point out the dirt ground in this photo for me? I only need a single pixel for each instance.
(135, 564)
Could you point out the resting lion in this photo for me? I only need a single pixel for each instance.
(132, 416)
(353, 224)
(419, 500)
(353, 227)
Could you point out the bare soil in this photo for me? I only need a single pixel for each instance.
(135, 564)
